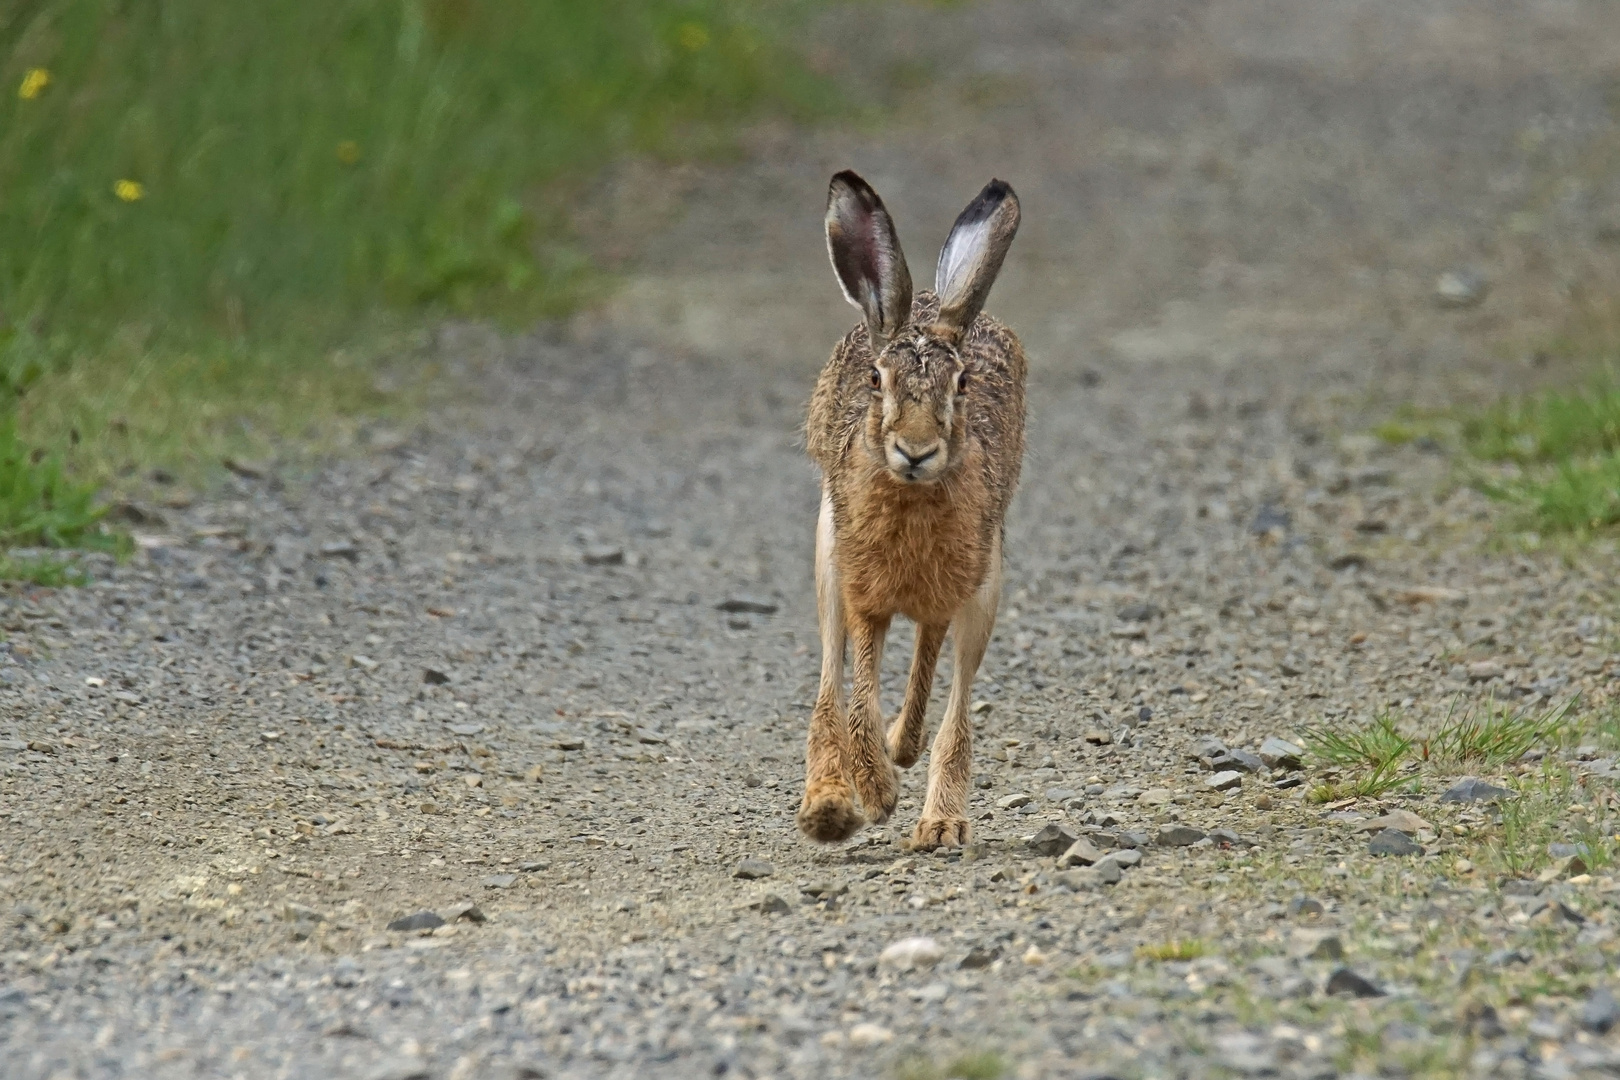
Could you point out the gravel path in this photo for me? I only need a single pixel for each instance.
(550, 654)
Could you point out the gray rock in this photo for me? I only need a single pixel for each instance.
(1229, 837)
(500, 881)
(1061, 794)
(770, 904)
(1329, 948)
(1053, 839)
(1131, 838)
(603, 555)
(747, 605)
(753, 869)
(467, 912)
(1292, 666)
(1013, 802)
(1236, 761)
(1079, 853)
(1346, 982)
(1305, 907)
(1207, 746)
(434, 677)
(1599, 1012)
(1179, 836)
(1392, 842)
(1280, 754)
(980, 957)
(1125, 857)
(422, 920)
(1142, 612)
(1224, 781)
(1090, 878)
(1473, 789)
(1460, 288)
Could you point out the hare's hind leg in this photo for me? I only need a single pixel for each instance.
(944, 818)
(828, 813)
(906, 733)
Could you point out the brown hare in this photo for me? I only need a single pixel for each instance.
(917, 424)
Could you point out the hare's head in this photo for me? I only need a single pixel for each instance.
(920, 382)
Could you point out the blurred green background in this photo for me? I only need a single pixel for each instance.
(203, 200)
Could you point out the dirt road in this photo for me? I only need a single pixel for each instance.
(551, 653)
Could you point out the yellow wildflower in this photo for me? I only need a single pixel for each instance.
(692, 36)
(348, 151)
(36, 80)
(129, 190)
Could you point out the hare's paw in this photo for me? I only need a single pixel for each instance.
(932, 833)
(879, 788)
(827, 814)
(904, 746)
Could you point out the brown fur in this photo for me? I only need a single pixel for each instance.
(927, 550)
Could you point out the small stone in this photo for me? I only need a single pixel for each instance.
(753, 869)
(1229, 838)
(1566, 867)
(1155, 796)
(1012, 802)
(293, 912)
(910, 953)
(569, 743)
(752, 781)
(434, 677)
(429, 808)
(466, 729)
(1236, 761)
(1556, 912)
(1393, 842)
(1131, 838)
(1484, 671)
(1599, 1012)
(865, 1036)
(1179, 836)
(500, 881)
(1345, 981)
(1473, 789)
(532, 866)
(1292, 666)
(1142, 612)
(824, 890)
(422, 920)
(364, 663)
(534, 773)
(1053, 839)
(341, 549)
(1262, 801)
(1482, 1021)
(1079, 853)
(467, 912)
(1459, 288)
(770, 904)
(603, 555)
(1224, 781)
(1125, 858)
(1305, 907)
(979, 957)
(1034, 957)
(1098, 737)
(1280, 754)
(979, 707)
(747, 605)
(1061, 795)
(1090, 878)
(1400, 820)
(264, 736)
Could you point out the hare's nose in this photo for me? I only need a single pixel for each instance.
(916, 457)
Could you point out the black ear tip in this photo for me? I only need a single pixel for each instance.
(850, 181)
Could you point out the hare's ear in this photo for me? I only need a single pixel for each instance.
(866, 256)
(971, 257)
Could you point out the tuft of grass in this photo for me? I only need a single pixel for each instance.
(1376, 782)
(1376, 745)
(975, 1065)
(1491, 735)
(1175, 949)
(1566, 447)
(40, 506)
(50, 571)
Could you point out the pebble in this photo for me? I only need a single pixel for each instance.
(1142, 612)
(865, 1036)
(1280, 754)
(1155, 796)
(753, 869)
(1345, 981)
(1306, 907)
(1229, 837)
(1053, 839)
(1568, 866)
(1224, 781)
(1098, 737)
(1400, 820)
(500, 881)
(1105, 872)
(1473, 789)
(910, 953)
(1013, 802)
(770, 904)
(747, 605)
(1328, 948)
(1131, 838)
(1079, 853)
(1599, 1012)
(1236, 760)
(1061, 794)
(1179, 836)
(1393, 842)
(1484, 671)
(1459, 288)
(603, 555)
(422, 920)
(1122, 860)
(980, 957)
(434, 677)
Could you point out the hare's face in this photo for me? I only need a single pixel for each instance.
(913, 426)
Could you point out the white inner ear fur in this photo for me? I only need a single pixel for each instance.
(959, 260)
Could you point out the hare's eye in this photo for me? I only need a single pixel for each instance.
(961, 382)
(877, 379)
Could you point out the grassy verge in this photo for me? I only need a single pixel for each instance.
(1554, 456)
(210, 208)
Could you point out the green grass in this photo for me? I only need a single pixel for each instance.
(1375, 745)
(218, 219)
(51, 571)
(1178, 949)
(1489, 734)
(976, 1065)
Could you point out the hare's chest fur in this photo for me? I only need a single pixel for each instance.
(917, 554)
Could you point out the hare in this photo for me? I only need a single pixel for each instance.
(917, 424)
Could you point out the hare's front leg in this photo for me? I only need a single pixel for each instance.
(875, 777)
(906, 733)
(944, 820)
(827, 814)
